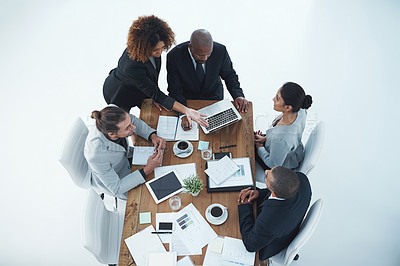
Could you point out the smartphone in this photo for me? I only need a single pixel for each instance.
(165, 226)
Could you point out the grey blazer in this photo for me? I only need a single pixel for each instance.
(108, 162)
(283, 146)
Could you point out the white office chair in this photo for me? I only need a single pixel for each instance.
(307, 227)
(72, 157)
(102, 229)
(260, 177)
(312, 149)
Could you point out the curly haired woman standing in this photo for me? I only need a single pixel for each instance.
(136, 76)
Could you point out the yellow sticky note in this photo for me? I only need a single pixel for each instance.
(216, 245)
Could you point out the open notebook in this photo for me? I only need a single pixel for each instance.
(169, 128)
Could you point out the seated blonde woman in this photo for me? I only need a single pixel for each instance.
(281, 144)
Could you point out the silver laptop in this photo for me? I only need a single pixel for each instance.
(219, 115)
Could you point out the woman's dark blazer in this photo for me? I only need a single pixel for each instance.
(132, 81)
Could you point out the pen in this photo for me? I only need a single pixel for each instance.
(229, 146)
(161, 233)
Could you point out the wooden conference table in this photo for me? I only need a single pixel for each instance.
(140, 200)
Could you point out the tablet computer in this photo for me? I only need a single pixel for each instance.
(165, 186)
(220, 155)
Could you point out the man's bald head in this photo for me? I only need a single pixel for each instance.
(201, 45)
(201, 38)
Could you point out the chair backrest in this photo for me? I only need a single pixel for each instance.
(72, 157)
(101, 230)
(312, 148)
(307, 227)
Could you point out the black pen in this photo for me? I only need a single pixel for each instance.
(229, 146)
(161, 233)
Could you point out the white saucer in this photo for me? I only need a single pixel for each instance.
(182, 155)
(213, 220)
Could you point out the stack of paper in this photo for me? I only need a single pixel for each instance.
(143, 242)
(222, 170)
(161, 258)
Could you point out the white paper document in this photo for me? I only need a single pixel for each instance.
(221, 170)
(175, 243)
(183, 170)
(165, 217)
(193, 229)
(186, 261)
(234, 250)
(242, 177)
(234, 253)
(142, 243)
(178, 246)
(141, 154)
(161, 258)
(169, 128)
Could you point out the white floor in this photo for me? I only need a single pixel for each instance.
(55, 56)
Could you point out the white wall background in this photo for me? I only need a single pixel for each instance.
(55, 55)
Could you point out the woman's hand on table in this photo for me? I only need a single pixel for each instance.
(194, 115)
(259, 139)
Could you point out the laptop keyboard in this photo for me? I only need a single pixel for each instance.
(220, 119)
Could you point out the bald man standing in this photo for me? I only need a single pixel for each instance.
(195, 69)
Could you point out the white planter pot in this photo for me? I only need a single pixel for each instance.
(195, 194)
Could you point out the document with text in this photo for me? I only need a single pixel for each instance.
(193, 229)
(233, 253)
(221, 170)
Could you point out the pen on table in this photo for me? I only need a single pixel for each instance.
(229, 146)
(161, 233)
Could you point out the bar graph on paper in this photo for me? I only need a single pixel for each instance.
(184, 221)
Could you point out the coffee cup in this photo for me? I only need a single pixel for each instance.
(183, 147)
(217, 211)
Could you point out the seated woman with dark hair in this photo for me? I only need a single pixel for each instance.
(107, 151)
(281, 145)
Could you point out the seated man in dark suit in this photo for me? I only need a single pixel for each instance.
(195, 69)
(281, 208)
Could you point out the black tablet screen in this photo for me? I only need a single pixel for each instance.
(165, 185)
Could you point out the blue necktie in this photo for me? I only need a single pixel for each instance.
(200, 72)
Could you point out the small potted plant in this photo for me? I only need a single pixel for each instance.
(193, 184)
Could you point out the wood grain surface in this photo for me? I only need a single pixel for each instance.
(140, 200)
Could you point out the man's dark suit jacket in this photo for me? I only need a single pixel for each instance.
(278, 221)
(183, 83)
(132, 81)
